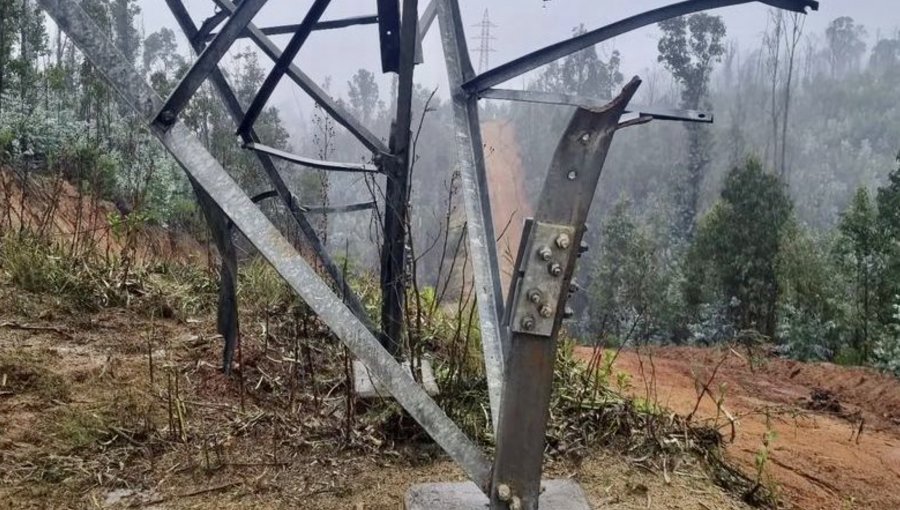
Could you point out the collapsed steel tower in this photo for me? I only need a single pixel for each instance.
(518, 337)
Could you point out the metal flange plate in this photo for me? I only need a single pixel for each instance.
(543, 267)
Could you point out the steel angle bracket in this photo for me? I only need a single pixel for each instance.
(546, 262)
(540, 285)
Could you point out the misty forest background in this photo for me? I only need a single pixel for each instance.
(779, 223)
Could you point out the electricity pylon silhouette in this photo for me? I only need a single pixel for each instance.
(485, 48)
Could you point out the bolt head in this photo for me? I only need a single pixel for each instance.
(545, 253)
(528, 323)
(515, 504)
(585, 137)
(555, 269)
(563, 241)
(546, 311)
(504, 493)
(572, 175)
(167, 117)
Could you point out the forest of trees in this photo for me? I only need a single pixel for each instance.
(779, 223)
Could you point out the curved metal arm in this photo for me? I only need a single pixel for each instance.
(559, 50)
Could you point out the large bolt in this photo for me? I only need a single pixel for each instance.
(167, 117)
(504, 493)
(528, 323)
(545, 253)
(546, 311)
(555, 269)
(535, 296)
(563, 242)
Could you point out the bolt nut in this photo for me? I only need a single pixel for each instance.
(528, 323)
(545, 253)
(563, 241)
(504, 493)
(515, 504)
(572, 175)
(535, 296)
(585, 137)
(555, 269)
(546, 311)
(167, 117)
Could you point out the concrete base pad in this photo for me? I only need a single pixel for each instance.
(555, 495)
(366, 387)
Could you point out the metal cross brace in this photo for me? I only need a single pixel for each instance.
(190, 153)
(236, 112)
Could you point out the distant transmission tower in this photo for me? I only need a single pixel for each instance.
(485, 50)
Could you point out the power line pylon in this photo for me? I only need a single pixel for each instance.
(485, 48)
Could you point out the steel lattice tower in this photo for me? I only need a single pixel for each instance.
(485, 38)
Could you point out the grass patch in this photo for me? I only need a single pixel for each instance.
(25, 373)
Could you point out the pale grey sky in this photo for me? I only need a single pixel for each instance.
(522, 26)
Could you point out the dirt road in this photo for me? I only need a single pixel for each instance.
(817, 457)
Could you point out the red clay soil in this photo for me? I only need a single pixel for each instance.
(509, 203)
(53, 206)
(818, 458)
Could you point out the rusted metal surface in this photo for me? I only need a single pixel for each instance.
(562, 209)
(396, 208)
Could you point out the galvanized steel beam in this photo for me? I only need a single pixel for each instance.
(207, 62)
(330, 24)
(318, 209)
(281, 65)
(337, 112)
(480, 223)
(655, 112)
(184, 146)
(425, 23)
(236, 112)
(310, 162)
(562, 49)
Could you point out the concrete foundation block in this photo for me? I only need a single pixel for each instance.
(555, 495)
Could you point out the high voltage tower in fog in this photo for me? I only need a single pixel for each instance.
(518, 335)
(485, 48)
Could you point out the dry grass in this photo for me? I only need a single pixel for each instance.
(118, 402)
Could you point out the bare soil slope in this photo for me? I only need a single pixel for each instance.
(83, 426)
(52, 206)
(818, 457)
(510, 204)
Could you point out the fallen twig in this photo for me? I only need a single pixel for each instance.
(199, 492)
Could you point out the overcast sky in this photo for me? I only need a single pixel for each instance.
(521, 26)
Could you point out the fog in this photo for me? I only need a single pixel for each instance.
(521, 26)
